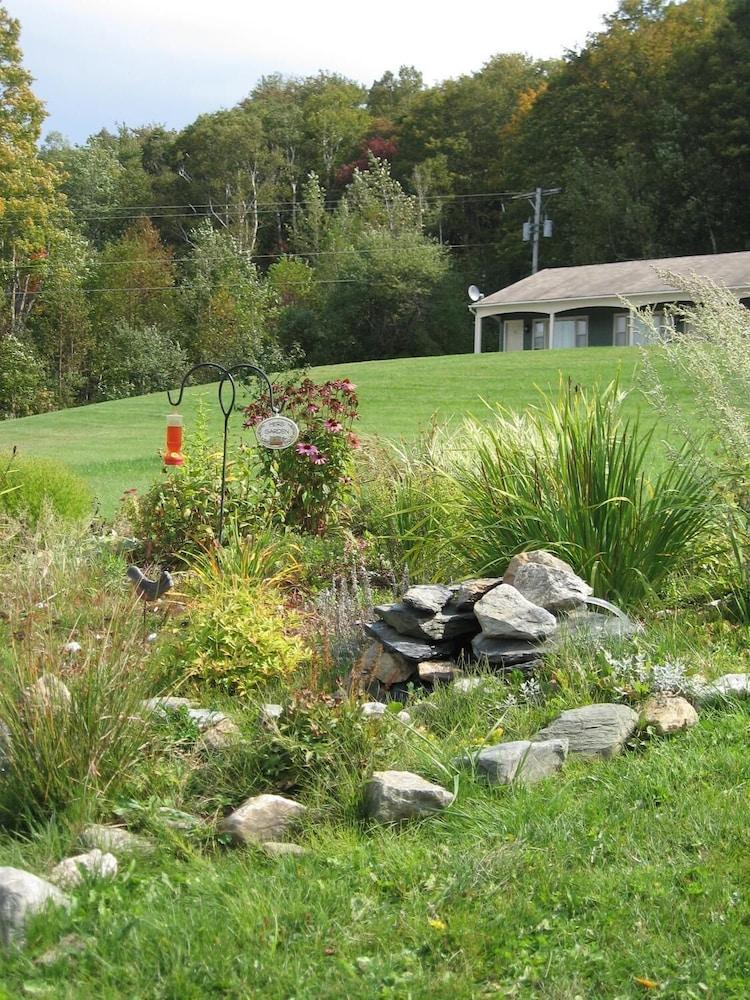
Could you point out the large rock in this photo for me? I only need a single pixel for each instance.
(539, 557)
(505, 652)
(592, 731)
(522, 761)
(592, 627)
(411, 649)
(222, 735)
(504, 613)
(379, 663)
(393, 796)
(428, 597)
(724, 688)
(437, 671)
(668, 714)
(69, 873)
(21, 896)
(115, 840)
(550, 587)
(262, 818)
(48, 693)
(446, 624)
(470, 591)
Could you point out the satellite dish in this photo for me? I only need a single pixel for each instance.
(474, 294)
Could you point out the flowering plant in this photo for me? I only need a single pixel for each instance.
(311, 479)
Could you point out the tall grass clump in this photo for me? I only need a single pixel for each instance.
(572, 474)
(28, 486)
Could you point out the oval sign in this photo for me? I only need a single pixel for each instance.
(277, 433)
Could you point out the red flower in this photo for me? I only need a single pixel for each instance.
(353, 440)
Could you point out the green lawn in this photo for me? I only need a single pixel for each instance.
(115, 446)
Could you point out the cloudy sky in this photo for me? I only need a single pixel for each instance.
(99, 62)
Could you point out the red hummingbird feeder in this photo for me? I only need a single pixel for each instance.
(173, 453)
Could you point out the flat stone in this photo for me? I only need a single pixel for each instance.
(270, 714)
(411, 649)
(446, 624)
(21, 896)
(591, 627)
(223, 734)
(505, 652)
(540, 557)
(550, 587)
(277, 849)
(437, 671)
(70, 872)
(383, 665)
(593, 731)
(725, 688)
(176, 819)
(262, 818)
(668, 714)
(373, 710)
(522, 761)
(48, 692)
(206, 718)
(470, 591)
(428, 597)
(115, 840)
(504, 613)
(394, 796)
(465, 684)
(166, 704)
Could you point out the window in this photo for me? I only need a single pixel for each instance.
(572, 331)
(621, 331)
(539, 335)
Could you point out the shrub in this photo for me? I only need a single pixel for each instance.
(133, 360)
(28, 485)
(22, 380)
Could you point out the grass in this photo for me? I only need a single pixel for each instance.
(115, 446)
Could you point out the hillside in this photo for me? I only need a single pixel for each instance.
(115, 446)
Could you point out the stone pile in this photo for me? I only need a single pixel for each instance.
(508, 622)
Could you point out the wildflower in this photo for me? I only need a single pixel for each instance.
(346, 386)
(437, 924)
(309, 450)
(353, 440)
(346, 480)
(318, 458)
(333, 426)
(311, 408)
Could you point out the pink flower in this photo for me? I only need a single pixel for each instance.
(333, 426)
(307, 449)
(318, 459)
(346, 480)
(353, 440)
(311, 408)
(346, 386)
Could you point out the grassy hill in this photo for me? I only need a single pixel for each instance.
(115, 446)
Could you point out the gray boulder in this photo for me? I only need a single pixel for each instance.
(428, 597)
(470, 591)
(222, 734)
(504, 613)
(394, 796)
(725, 688)
(446, 624)
(69, 873)
(115, 840)
(21, 896)
(592, 731)
(383, 665)
(550, 587)
(262, 818)
(521, 761)
(540, 557)
(668, 714)
(411, 649)
(505, 652)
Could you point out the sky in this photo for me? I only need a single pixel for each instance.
(97, 63)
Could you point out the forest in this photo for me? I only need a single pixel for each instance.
(321, 219)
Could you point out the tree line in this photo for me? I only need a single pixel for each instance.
(321, 220)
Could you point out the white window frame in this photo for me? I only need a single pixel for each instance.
(575, 320)
(627, 316)
(544, 323)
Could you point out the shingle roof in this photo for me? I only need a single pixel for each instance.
(629, 277)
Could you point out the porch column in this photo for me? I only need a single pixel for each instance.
(477, 332)
(551, 330)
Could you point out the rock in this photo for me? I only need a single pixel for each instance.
(163, 705)
(591, 627)
(115, 840)
(382, 665)
(223, 734)
(411, 649)
(505, 614)
(522, 761)
(262, 818)
(505, 652)
(592, 731)
(373, 710)
(668, 714)
(67, 945)
(393, 796)
(551, 588)
(465, 684)
(278, 849)
(48, 692)
(270, 714)
(72, 648)
(404, 717)
(21, 896)
(540, 557)
(428, 597)
(724, 688)
(437, 671)
(470, 591)
(206, 718)
(68, 874)
(176, 819)
(446, 624)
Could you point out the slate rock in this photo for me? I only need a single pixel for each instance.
(21, 896)
(551, 588)
(411, 649)
(383, 665)
(70, 872)
(470, 591)
(428, 597)
(505, 652)
(437, 671)
(504, 613)
(394, 796)
(163, 705)
(668, 714)
(115, 840)
(262, 818)
(725, 688)
(521, 761)
(593, 731)
(446, 624)
(539, 557)
(206, 718)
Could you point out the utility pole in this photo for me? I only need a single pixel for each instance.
(534, 229)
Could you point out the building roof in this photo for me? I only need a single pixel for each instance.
(623, 278)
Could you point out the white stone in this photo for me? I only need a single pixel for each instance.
(166, 704)
(373, 710)
(205, 718)
(21, 896)
(278, 849)
(505, 613)
(550, 587)
(404, 717)
(594, 730)
(540, 557)
(465, 684)
(521, 761)
(72, 648)
(48, 692)
(668, 714)
(68, 874)
(262, 818)
(724, 688)
(393, 796)
(270, 713)
(437, 671)
(115, 840)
